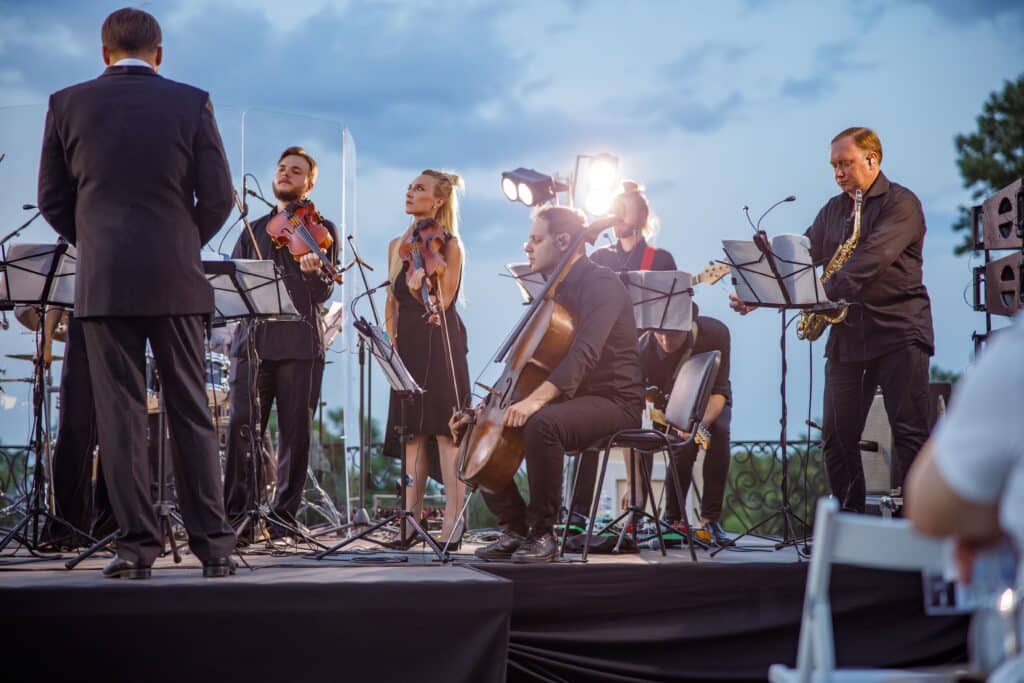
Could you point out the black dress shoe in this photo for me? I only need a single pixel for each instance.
(120, 568)
(537, 548)
(718, 535)
(220, 567)
(501, 549)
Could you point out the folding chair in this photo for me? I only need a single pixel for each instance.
(686, 405)
(863, 541)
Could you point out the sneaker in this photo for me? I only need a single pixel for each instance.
(537, 548)
(501, 549)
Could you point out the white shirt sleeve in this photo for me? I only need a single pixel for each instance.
(981, 438)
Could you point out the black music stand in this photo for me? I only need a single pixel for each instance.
(662, 301)
(403, 384)
(252, 292)
(40, 275)
(778, 273)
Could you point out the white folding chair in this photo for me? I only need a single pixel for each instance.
(863, 541)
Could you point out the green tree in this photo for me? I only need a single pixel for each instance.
(993, 156)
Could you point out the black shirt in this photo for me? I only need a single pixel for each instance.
(620, 261)
(659, 368)
(882, 280)
(286, 340)
(602, 360)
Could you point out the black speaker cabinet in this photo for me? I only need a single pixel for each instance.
(1003, 285)
(1002, 218)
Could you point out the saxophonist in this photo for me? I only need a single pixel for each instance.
(885, 338)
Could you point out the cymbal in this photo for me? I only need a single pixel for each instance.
(28, 356)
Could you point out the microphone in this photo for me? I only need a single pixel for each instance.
(790, 198)
(28, 207)
(380, 286)
(258, 196)
(244, 207)
(813, 424)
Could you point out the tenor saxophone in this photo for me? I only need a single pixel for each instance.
(812, 324)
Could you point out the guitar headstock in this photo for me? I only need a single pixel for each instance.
(711, 273)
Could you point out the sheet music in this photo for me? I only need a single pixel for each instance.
(25, 275)
(530, 283)
(333, 320)
(755, 282)
(661, 299)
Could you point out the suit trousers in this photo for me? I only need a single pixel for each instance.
(849, 389)
(117, 365)
(76, 501)
(295, 385)
(548, 435)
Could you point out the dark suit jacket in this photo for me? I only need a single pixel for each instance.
(133, 172)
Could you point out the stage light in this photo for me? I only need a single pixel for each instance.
(598, 202)
(508, 186)
(597, 181)
(529, 187)
(604, 171)
(525, 194)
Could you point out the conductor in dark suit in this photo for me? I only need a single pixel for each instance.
(133, 173)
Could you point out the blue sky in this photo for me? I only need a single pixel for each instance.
(712, 106)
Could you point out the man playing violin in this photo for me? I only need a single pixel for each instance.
(593, 392)
(280, 361)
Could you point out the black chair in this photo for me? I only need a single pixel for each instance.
(686, 405)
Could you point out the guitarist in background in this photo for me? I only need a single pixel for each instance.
(661, 355)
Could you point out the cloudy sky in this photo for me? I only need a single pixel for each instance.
(712, 106)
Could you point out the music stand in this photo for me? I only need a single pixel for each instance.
(41, 275)
(777, 273)
(662, 299)
(251, 291)
(403, 384)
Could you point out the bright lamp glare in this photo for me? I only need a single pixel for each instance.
(599, 202)
(525, 194)
(508, 186)
(603, 173)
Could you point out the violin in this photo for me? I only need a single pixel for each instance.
(422, 250)
(301, 229)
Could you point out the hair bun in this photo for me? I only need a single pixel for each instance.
(631, 186)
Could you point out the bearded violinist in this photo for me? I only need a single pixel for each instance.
(593, 392)
(280, 361)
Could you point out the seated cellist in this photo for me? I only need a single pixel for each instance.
(593, 392)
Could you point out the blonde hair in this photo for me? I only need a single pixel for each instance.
(447, 215)
(864, 139)
(649, 222)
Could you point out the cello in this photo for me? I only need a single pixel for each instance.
(489, 452)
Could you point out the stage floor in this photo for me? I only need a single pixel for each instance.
(357, 616)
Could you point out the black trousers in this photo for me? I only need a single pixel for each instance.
(295, 385)
(548, 435)
(73, 493)
(849, 388)
(715, 471)
(117, 365)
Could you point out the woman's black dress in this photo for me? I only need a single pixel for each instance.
(423, 350)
